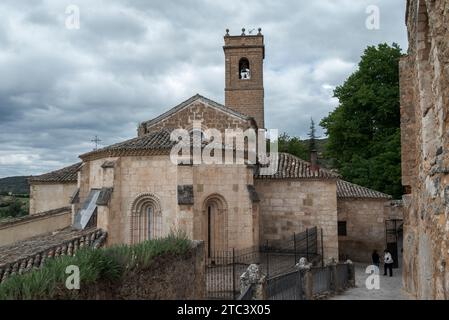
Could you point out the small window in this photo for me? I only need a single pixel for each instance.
(244, 70)
(342, 228)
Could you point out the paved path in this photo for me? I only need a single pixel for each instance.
(390, 287)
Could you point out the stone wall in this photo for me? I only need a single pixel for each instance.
(226, 186)
(157, 178)
(424, 124)
(22, 228)
(50, 196)
(198, 111)
(289, 206)
(365, 227)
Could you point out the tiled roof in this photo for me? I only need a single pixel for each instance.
(31, 253)
(64, 175)
(152, 141)
(190, 101)
(291, 167)
(347, 189)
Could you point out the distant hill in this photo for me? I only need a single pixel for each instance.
(16, 185)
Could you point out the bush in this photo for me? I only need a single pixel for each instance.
(94, 264)
(13, 208)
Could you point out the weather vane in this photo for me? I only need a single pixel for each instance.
(96, 140)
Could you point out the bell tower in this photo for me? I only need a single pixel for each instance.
(244, 55)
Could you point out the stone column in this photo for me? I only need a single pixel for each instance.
(254, 277)
(306, 278)
(351, 273)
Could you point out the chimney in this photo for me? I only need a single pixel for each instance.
(314, 161)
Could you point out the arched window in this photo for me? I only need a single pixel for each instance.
(244, 69)
(145, 218)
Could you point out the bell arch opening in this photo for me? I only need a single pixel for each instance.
(244, 69)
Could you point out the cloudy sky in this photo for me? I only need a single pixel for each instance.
(130, 60)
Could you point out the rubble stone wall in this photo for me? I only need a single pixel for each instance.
(425, 149)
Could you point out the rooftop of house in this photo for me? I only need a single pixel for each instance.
(64, 175)
(347, 189)
(292, 167)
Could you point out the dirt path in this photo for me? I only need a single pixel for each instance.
(389, 288)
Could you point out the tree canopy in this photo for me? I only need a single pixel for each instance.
(364, 130)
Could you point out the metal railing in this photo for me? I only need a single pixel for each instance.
(275, 257)
(308, 284)
(247, 294)
(285, 287)
(342, 276)
(321, 280)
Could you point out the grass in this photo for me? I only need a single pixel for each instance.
(94, 265)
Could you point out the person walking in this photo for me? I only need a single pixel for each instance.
(375, 258)
(388, 263)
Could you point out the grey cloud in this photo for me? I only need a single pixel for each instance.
(132, 60)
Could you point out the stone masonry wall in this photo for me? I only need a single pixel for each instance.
(365, 226)
(425, 125)
(199, 111)
(50, 196)
(29, 226)
(229, 184)
(289, 206)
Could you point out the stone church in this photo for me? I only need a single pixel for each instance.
(133, 191)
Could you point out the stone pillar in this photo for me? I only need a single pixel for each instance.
(254, 277)
(332, 265)
(351, 273)
(306, 278)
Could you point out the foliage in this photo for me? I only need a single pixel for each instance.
(312, 136)
(13, 207)
(292, 145)
(94, 265)
(364, 130)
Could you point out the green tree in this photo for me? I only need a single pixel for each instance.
(364, 130)
(312, 136)
(292, 145)
(14, 209)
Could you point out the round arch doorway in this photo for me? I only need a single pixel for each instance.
(215, 222)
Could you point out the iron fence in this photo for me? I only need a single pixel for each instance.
(247, 294)
(224, 268)
(285, 287)
(342, 276)
(321, 280)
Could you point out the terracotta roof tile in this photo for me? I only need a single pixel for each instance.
(152, 141)
(64, 175)
(347, 189)
(292, 167)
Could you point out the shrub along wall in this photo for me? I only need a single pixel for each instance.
(169, 268)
